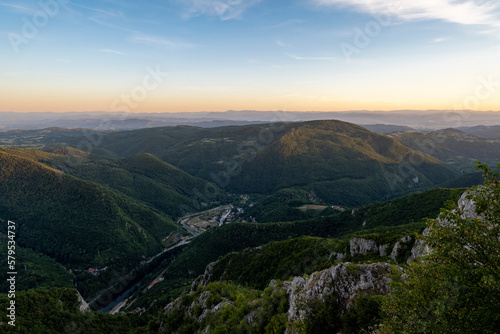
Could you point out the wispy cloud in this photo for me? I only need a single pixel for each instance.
(108, 17)
(438, 40)
(479, 12)
(309, 58)
(103, 12)
(18, 8)
(224, 9)
(112, 51)
(153, 40)
(280, 43)
(285, 24)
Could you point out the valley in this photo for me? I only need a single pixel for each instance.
(250, 167)
(156, 217)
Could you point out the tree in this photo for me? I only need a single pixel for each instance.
(455, 289)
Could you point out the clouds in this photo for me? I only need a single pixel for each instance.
(111, 51)
(18, 8)
(224, 9)
(309, 58)
(438, 40)
(468, 12)
(154, 40)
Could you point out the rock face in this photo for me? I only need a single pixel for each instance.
(362, 246)
(82, 304)
(467, 206)
(345, 281)
(205, 278)
(467, 209)
(419, 249)
(398, 247)
(365, 246)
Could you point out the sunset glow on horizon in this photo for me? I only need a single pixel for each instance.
(202, 55)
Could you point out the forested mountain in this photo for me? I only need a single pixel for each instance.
(143, 177)
(254, 294)
(78, 223)
(457, 148)
(150, 180)
(112, 207)
(397, 217)
(339, 162)
(483, 131)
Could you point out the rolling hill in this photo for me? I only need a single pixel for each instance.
(338, 162)
(78, 223)
(456, 148)
(143, 177)
(396, 218)
(150, 180)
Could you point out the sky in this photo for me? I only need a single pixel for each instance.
(292, 55)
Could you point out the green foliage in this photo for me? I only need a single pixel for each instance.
(464, 181)
(150, 180)
(457, 288)
(342, 163)
(228, 308)
(457, 148)
(280, 206)
(329, 315)
(56, 310)
(78, 223)
(324, 317)
(386, 221)
(363, 315)
(275, 260)
(34, 269)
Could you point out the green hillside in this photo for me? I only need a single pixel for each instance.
(150, 180)
(78, 223)
(397, 217)
(34, 269)
(143, 177)
(283, 260)
(56, 310)
(457, 148)
(341, 163)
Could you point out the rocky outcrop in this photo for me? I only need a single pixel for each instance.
(205, 278)
(398, 247)
(364, 246)
(466, 208)
(337, 256)
(420, 248)
(345, 281)
(82, 304)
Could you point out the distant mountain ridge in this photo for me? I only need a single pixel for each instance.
(453, 146)
(418, 119)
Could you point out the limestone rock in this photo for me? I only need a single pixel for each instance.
(398, 247)
(345, 281)
(362, 246)
(205, 278)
